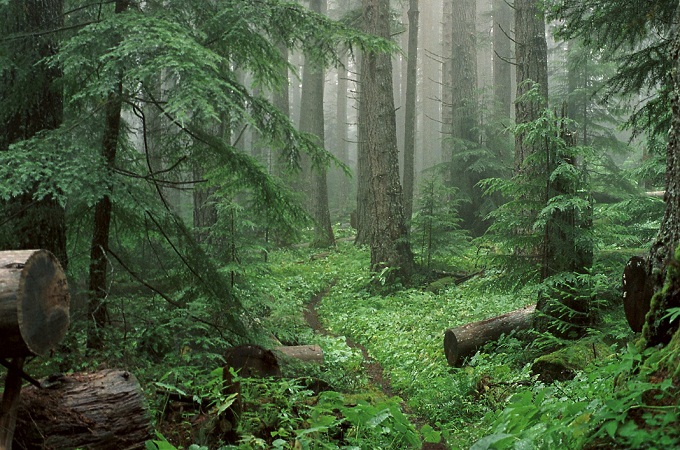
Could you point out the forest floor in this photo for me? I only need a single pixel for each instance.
(374, 369)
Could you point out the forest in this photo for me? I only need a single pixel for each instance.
(339, 224)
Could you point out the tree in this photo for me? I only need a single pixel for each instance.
(659, 328)
(111, 58)
(410, 113)
(30, 103)
(531, 58)
(502, 56)
(642, 39)
(389, 244)
(465, 112)
(98, 288)
(312, 121)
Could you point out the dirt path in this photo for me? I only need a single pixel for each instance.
(373, 368)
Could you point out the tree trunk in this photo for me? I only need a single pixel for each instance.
(462, 342)
(447, 83)
(102, 410)
(389, 245)
(663, 254)
(410, 113)
(312, 121)
(97, 309)
(531, 57)
(502, 57)
(34, 303)
(30, 104)
(282, 103)
(465, 114)
(341, 135)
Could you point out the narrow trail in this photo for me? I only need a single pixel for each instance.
(373, 368)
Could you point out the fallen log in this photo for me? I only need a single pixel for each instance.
(462, 342)
(102, 410)
(637, 292)
(34, 303)
(304, 353)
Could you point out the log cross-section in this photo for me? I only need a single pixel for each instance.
(464, 341)
(34, 303)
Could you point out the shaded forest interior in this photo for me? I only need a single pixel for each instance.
(340, 224)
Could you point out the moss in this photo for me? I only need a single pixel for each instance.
(562, 365)
(658, 329)
(441, 284)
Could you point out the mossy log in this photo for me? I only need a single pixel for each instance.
(637, 292)
(34, 303)
(562, 365)
(101, 410)
(462, 342)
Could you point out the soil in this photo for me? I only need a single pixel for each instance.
(373, 368)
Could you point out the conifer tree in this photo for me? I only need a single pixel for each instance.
(111, 58)
(30, 103)
(390, 249)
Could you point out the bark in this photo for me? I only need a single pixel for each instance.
(30, 103)
(531, 55)
(312, 121)
(363, 211)
(462, 342)
(341, 133)
(410, 113)
(502, 57)
(34, 303)
(102, 410)
(304, 353)
(389, 245)
(663, 256)
(566, 247)
(465, 113)
(97, 309)
(282, 103)
(447, 82)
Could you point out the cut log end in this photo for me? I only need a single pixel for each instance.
(34, 303)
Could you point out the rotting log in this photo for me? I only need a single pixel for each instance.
(637, 292)
(462, 342)
(34, 303)
(103, 410)
(304, 353)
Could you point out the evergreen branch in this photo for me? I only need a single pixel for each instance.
(165, 297)
(18, 36)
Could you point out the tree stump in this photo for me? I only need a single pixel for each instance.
(637, 292)
(101, 410)
(34, 303)
(462, 342)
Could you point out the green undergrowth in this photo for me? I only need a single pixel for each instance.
(495, 401)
